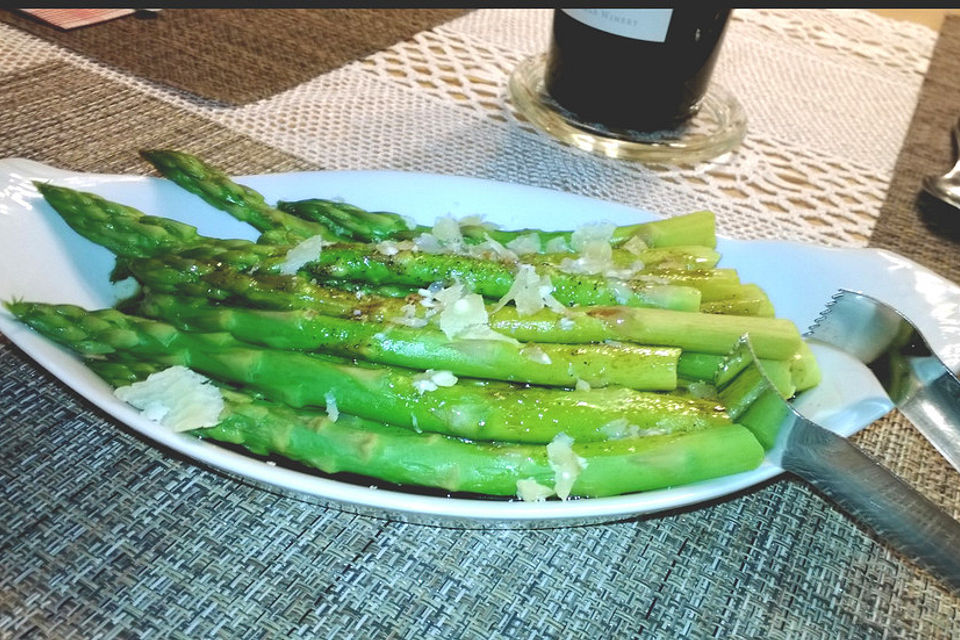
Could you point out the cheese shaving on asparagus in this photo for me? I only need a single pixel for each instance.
(305, 252)
(529, 490)
(431, 380)
(530, 293)
(176, 397)
(566, 464)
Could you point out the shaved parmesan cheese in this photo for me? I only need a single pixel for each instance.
(596, 257)
(305, 252)
(484, 332)
(431, 380)
(392, 247)
(556, 245)
(530, 293)
(536, 353)
(409, 317)
(525, 244)
(331, 404)
(489, 249)
(593, 232)
(463, 316)
(635, 245)
(565, 464)
(476, 221)
(176, 397)
(700, 389)
(621, 291)
(620, 429)
(592, 243)
(460, 311)
(546, 287)
(447, 231)
(429, 300)
(529, 490)
(428, 243)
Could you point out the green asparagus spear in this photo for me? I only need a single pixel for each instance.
(120, 228)
(774, 338)
(184, 274)
(488, 278)
(130, 233)
(704, 366)
(393, 454)
(402, 456)
(749, 392)
(634, 366)
(479, 410)
(696, 228)
(219, 190)
(351, 222)
(137, 238)
(759, 306)
(688, 257)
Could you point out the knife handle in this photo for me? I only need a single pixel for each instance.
(875, 497)
(933, 407)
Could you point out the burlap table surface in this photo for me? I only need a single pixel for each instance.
(240, 55)
(104, 535)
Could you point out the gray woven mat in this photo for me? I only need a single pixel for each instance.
(104, 535)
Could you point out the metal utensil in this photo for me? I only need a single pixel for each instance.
(864, 489)
(947, 186)
(921, 386)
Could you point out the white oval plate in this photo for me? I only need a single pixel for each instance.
(42, 259)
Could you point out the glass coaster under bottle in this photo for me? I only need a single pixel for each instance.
(669, 113)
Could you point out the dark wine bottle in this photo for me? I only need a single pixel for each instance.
(634, 69)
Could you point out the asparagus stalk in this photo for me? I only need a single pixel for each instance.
(703, 367)
(351, 222)
(216, 187)
(774, 338)
(359, 225)
(740, 306)
(304, 218)
(696, 228)
(396, 455)
(689, 257)
(130, 233)
(563, 365)
(124, 231)
(751, 396)
(488, 278)
(479, 410)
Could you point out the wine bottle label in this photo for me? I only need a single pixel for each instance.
(639, 24)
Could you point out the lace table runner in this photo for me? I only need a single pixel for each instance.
(104, 535)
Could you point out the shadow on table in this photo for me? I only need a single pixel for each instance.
(939, 218)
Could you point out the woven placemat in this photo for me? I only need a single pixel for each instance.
(238, 56)
(911, 222)
(105, 535)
